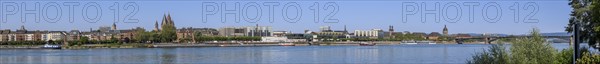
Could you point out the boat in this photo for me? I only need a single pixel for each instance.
(51, 46)
(313, 43)
(425, 42)
(432, 43)
(287, 44)
(409, 43)
(366, 44)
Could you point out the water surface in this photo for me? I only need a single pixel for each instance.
(438, 53)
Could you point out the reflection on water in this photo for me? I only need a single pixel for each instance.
(439, 53)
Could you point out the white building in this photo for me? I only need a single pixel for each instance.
(325, 28)
(54, 36)
(374, 33)
(246, 31)
(29, 37)
(259, 31)
(12, 37)
(280, 39)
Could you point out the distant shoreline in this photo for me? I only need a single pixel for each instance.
(182, 45)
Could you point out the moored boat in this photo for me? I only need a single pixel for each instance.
(287, 44)
(409, 43)
(366, 44)
(51, 46)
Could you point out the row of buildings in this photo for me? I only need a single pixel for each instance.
(106, 33)
(326, 32)
(110, 32)
(102, 33)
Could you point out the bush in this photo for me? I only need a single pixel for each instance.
(589, 58)
(496, 55)
(565, 56)
(532, 50)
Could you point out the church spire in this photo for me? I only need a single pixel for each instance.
(169, 17)
(114, 26)
(445, 30)
(156, 28)
(345, 30)
(164, 20)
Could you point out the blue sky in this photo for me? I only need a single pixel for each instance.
(357, 15)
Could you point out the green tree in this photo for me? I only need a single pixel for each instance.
(589, 58)
(113, 40)
(144, 36)
(527, 50)
(565, 56)
(532, 50)
(84, 40)
(168, 33)
(585, 13)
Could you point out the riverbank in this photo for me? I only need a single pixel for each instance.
(20, 46)
(221, 44)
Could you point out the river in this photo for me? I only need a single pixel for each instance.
(435, 53)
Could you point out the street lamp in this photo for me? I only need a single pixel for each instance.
(576, 41)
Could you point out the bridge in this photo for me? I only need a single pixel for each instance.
(490, 39)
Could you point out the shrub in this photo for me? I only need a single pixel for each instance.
(495, 55)
(532, 50)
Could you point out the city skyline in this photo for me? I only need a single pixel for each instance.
(349, 15)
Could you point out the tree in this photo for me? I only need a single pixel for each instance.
(168, 33)
(154, 37)
(585, 13)
(144, 36)
(113, 39)
(532, 50)
(82, 40)
(51, 42)
(126, 40)
(527, 50)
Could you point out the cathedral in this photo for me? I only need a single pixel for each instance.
(165, 21)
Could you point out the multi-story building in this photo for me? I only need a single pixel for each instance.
(232, 31)
(331, 34)
(325, 28)
(190, 33)
(374, 33)
(53, 35)
(433, 36)
(206, 31)
(127, 34)
(4, 35)
(98, 36)
(246, 31)
(279, 33)
(73, 35)
(326, 32)
(259, 31)
(21, 35)
(185, 33)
